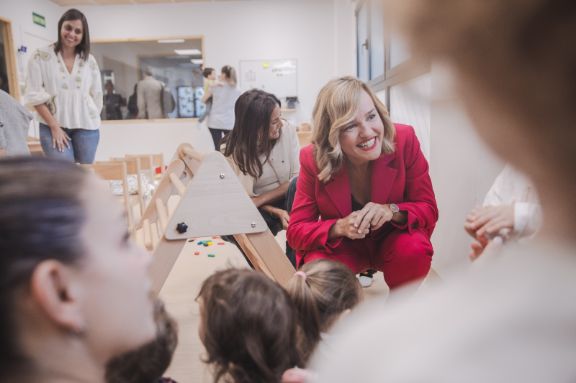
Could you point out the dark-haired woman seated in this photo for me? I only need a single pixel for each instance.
(263, 150)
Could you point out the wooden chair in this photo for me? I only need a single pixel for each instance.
(34, 146)
(150, 162)
(134, 168)
(200, 196)
(116, 171)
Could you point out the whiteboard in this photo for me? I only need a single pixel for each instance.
(274, 76)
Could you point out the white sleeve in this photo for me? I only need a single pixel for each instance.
(294, 152)
(96, 87)
(35, 92)
(527, 218)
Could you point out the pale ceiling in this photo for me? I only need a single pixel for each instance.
(112, 2)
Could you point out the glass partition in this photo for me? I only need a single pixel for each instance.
(151, 79)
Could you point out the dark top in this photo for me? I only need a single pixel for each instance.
(356, 205)
(112, 104)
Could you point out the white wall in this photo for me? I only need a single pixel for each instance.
(151, 137)
(25, 32)
(345, 41)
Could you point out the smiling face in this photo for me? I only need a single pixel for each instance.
(71, 33)
(361, 139)
(114, 279)
(275, 123)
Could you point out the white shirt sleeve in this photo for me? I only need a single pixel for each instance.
(36, 94)
(512, 188)
(527, 218)
(96, 87)
(294, 153)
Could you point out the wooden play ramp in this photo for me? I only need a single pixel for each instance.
(200, 196)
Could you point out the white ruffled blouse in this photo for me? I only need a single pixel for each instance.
(75, 99)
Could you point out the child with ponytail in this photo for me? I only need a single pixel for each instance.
(322, 291)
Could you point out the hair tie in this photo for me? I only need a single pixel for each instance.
(300, 274)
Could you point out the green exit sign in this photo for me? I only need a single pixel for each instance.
(39, 19)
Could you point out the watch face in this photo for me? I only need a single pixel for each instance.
(394, 208)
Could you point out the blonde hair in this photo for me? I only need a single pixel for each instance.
(336, 106)
(321, 291)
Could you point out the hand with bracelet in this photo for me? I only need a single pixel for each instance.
(371, 217)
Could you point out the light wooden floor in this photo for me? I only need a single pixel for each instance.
(179, 295)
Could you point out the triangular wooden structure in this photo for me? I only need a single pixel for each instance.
(201, 196)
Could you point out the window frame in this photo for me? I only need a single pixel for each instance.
(147, 39)
(10, 56)
(401, 73)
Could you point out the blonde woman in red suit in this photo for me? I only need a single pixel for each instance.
(364, 195)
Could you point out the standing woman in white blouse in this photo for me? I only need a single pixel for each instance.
(65, 89)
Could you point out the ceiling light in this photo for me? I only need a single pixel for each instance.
(171, 41)
(187, 52)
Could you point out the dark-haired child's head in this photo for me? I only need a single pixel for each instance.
(322, 291)
(209, 73)
(248, 326)
(148, 363)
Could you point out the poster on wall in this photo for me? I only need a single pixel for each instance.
(278, 77)
(185, 101)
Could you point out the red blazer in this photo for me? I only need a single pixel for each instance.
(401, 177)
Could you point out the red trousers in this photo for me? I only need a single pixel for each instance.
(402, 257)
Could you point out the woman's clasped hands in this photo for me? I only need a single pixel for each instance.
(358, 224)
